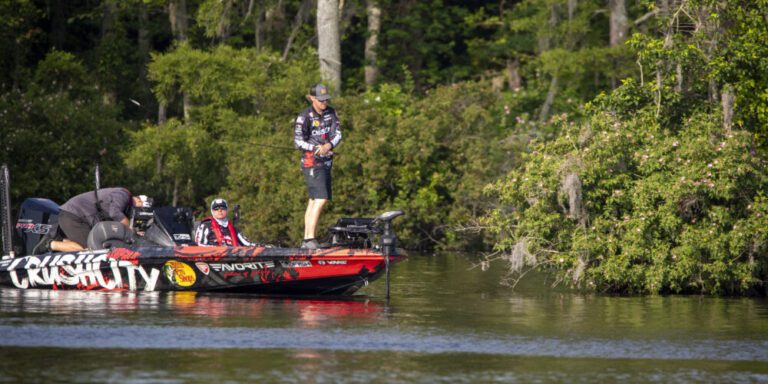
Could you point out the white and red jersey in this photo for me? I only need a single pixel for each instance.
(312, 129)
(212, 233)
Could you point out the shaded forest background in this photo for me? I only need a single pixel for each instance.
(618, 143)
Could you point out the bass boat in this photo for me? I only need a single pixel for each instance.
(358, 251)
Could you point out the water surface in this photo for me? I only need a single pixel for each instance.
(445, 322)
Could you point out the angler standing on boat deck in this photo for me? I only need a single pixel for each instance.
(217, 230)
(316, 133)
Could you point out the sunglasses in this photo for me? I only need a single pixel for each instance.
(220, 208)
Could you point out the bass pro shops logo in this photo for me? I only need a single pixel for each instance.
(179, 274)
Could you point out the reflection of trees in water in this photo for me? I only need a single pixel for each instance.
(619, 316)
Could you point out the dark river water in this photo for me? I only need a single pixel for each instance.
(445, 322)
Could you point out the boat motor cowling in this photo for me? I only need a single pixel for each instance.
(38, 217)
(171, 226)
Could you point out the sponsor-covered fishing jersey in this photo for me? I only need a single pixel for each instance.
(211, 233)
(312, 129)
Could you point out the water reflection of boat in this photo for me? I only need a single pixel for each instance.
(309, 312)
(359, 251)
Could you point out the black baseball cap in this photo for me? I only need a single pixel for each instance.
(320, 92)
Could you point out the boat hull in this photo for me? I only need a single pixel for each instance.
(281, 271)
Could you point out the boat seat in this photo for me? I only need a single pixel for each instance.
(109, 234)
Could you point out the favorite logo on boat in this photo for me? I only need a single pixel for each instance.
(179, 274)
(203, 267)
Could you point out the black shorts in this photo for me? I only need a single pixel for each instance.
(318, 182)
(74, 228)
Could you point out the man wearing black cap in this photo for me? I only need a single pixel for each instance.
(216, 230)
(316, 133)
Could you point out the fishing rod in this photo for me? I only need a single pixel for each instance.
(279, 147)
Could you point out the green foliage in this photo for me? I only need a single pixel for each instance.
(429, 157)
(743, 61)
(54, 131)
(663, 210)
(17, 34)
(653, 193)
(243, 103)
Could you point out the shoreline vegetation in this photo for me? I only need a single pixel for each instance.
(620, 145)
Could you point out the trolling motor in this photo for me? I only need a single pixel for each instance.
(388, 239)
(358, 233)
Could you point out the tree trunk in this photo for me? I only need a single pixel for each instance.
(108, 19)
(572, 4)
(301, 15)
(187, 106)
(176, 183)
(619, 24)
(177, 13)
(372, 42)
(258, 24)
(547, 106)
(329, 43)
(162, 113)
(618, 30)
(143, 45)
(728, 99)
(513, 74)
(108, 16)
(58, 24)
(545, 34)
(224, 26)
(679, 78)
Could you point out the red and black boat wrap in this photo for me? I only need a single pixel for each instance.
(331, 271)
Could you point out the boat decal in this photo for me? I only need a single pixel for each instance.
(331, 262)
(296, 264)
(203, 267)
(95, 271)
(232, 267)
(41, 229)
(179, 274)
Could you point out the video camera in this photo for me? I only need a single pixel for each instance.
(142, 216)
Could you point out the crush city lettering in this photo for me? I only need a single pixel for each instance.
(81, 269)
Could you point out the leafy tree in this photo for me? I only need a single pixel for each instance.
(653, 193)
(55, 129)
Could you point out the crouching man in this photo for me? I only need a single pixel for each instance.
(80, 213)
(217, 230)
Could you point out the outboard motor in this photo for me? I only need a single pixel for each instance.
(37, 218)
(171, 226)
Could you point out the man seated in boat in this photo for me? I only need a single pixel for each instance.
(80, 213)
(217, 230)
